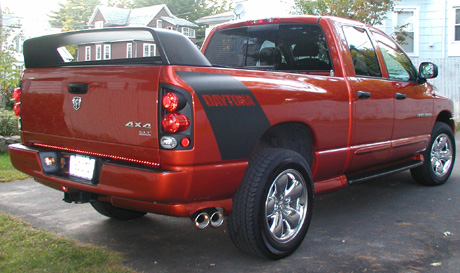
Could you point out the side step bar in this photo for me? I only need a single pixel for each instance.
(383, 172)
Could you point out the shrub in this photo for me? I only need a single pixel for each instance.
(8, 123)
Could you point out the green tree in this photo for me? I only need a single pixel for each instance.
(218, 6)
(367, 11)
(73, 14)
(9, 73)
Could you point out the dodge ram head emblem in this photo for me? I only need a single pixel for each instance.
(76, 102)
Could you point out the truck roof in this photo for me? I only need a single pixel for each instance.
(286, 20)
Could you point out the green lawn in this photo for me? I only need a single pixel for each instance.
(24, 249)
(7, 171)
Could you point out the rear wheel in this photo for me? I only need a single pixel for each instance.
(439, 157)
(108, 210)
(273, 205)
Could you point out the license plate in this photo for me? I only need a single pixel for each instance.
(82, 166)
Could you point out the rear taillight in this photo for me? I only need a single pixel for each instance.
(170, 101)
(175, 122)
(17, 94)
(175, 119)
(17, 98)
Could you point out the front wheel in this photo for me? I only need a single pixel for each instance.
(439, 157)
(273, 206)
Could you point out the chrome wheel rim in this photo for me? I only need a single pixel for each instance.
(286, 206)
(441, 155)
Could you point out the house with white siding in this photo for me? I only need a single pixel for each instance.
(433, 28)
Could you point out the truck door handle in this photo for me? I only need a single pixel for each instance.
(363, 95)
(78, 88)
(400, 96)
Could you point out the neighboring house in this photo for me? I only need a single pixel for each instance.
(433, 27)
(213, 20)
(12, 24)
(434, 36)
(22, 29)
(248, 10)
(158, 16)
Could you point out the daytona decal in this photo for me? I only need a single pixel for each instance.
(228, 100)
(236, 117)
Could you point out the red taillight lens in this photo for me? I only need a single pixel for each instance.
(170, 101)
(175, 122)
(17, 109)
(17, 94)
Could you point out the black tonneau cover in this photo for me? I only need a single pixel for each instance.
(173, 47)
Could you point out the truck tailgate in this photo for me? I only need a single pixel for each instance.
(103, 109)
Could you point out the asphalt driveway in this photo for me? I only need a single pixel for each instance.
(387, 225)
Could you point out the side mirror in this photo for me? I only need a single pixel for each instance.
(428, 70)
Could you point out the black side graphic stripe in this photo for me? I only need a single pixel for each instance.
(236, 117)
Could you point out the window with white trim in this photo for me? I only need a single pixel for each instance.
(453, 34)
(457, 24)
(107, 52)
(129, 50)
(406, 19)
(159, 23)
(189, 32)
(99, 24)
(88, 53)
(98, 52)
(150, 50)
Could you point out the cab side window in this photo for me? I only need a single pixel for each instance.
(365, 61)
(398, 65)
(304, 48)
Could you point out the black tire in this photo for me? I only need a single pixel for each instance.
(277, 186)
(439, 157)
(108, 210)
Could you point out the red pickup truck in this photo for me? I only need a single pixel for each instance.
(268, 114)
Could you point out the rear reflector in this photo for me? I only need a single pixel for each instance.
(185, 142)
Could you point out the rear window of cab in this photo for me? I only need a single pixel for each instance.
(287, 47)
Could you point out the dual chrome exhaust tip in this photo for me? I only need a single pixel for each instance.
(213, 217)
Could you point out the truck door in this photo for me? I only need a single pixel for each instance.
(413, 105)
(373, 103)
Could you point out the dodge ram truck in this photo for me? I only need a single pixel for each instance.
(267, 114)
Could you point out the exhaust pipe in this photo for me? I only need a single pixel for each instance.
(201, 219)
(206, 217)
(217, 218)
